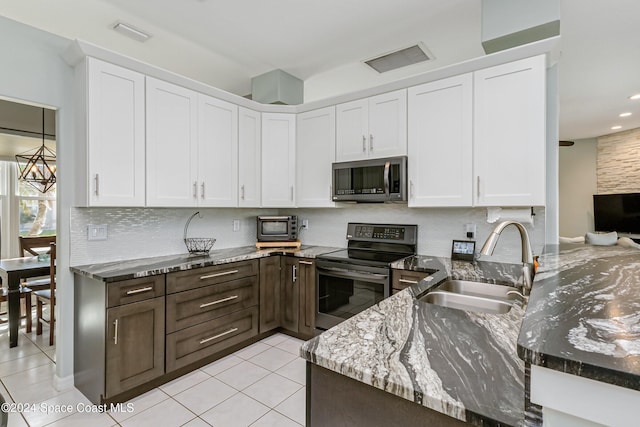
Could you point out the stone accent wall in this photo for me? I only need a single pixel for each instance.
(618, 165)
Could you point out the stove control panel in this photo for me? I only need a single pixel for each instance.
(377, 232)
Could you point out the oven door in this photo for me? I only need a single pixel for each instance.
(343, 290)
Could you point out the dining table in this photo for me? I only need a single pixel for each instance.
(12, 271)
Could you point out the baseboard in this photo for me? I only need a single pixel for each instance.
(62, 383)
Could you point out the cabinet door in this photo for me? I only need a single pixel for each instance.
(289, 293)
(352, 130)
(135, 345)
(115, 135)
(509, 134)
(171, 145)
(217, 153)
(388, 124)
(278, 159)
(440, 143)
(316, 142)
(249, 164)
(307, 300)
(269, 293)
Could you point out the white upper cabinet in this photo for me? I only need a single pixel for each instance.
(440, 150)
(115, 135)
(278, 159)
(509, 134)
(249, 162)
(217, 152)
(172, 152)
(372, 128)
(315, 152)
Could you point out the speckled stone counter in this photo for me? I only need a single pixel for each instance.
(131, 269)
(584, 314)
(463, 364)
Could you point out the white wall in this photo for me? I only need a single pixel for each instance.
(139, 232)
(577, 184)
(34, 71)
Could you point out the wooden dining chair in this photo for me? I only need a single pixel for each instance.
(29, 246)
(25, 294)
(47, 296)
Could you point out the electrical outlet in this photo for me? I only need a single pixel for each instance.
(97, 232)
(305, 224)
(236, 225)
(470, 230)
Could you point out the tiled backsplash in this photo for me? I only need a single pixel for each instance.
(146, 232)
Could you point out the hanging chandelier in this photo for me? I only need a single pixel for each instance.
(38, 168)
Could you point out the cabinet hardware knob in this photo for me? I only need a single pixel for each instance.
(97, 185)
(137, 291)
(224, 273)
(195, 189)
(230, 331)
(208, 304)
(371, 142)
(292, 193)
(364, 143)
(115, 332)
(306, 262)
(202, 190)
(242, 191)
(478, 189)
(294, 273)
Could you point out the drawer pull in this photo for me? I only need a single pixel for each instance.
(230, 331)
(218, 301)
(137, 291)
(224, 273)
(306, 262)
(115, 332)
(408, 281)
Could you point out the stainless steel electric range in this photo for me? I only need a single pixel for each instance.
(353, 279)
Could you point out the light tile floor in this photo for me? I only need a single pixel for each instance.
(261, 385)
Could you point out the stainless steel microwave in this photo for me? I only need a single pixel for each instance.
(371, 180)
(277, 228)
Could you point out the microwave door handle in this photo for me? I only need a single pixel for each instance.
(387, 166)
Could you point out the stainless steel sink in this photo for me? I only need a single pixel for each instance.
(467, 302)
(477, 289)
(472, 296)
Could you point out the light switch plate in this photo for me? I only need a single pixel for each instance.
(236, 225)
(97, 232)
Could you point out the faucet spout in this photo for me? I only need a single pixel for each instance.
(527, 254)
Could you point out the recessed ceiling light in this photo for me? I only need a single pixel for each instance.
(625, 114)
(616, 127)
(636, 96)
(131, 31)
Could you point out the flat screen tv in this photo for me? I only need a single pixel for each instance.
(617, 212)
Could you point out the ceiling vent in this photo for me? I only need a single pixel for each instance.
(400, 58)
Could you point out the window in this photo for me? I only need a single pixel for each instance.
(37, 210)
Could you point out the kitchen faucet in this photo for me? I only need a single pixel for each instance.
(527, 254)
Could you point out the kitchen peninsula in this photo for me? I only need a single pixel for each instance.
(466, 364)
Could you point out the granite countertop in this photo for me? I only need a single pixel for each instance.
(584, 314)
(463, 364)
(131, 269)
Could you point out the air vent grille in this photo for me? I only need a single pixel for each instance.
(400, 58)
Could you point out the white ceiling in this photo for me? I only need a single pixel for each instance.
(226, 42)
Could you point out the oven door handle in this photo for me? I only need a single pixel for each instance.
(348, 274)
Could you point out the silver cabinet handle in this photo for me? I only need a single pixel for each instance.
(195, 189)
(202, 190)
(97, 182)
(224, 273)
(115, 332)
(208, 304)
(411, 189)
(230, 331)
(242, 191)
(408, 281)
(137, 291)
(364, 143)
(292, 193)
(370, 142)
(294, 272)
(478, 189)
(306, 262)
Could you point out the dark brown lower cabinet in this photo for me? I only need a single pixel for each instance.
(289, 293)
(269, 293)
(135, 345)
(401, 279)
(307, 300)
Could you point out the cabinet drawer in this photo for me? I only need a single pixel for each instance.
(189, 308)
(197, 342)
(128, 291)
(404, 278)
(199, 277)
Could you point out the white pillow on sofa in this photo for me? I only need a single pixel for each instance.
(601, 239)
